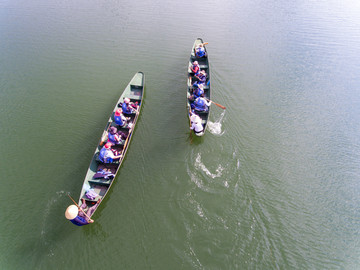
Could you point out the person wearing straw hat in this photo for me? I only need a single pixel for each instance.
(196, 125)
(81, 215)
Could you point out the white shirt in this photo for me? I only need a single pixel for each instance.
(197, 126)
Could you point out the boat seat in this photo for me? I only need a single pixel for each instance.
(105, 172)
(105, 182)
(135, 92)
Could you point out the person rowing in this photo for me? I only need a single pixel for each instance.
(81, 215)
(200, 50)
(196, 125)
(201, 104)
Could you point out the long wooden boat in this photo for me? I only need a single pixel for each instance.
(204, 65)
(100, 176)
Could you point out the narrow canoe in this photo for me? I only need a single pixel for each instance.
(204, 65)
(101, 176)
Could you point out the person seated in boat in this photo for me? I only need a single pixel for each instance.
(201, 104)
(129, 107)
(200, 50)
(107, 155)
(113, 136)
(196, 125)
(81, 215)
(195, 67)
(201, 77)
(197, 92)
(119, 118)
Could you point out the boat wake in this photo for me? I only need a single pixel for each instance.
(48, 210)
(200, 165)
(215, 127)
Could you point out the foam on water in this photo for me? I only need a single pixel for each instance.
(215, 127)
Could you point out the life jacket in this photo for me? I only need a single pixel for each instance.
(202, 78)
(200, 52)
(198, 92)
(111, 138)
(200, 104)
(126, 108)
(196, 69)
(118, 120)
(79, 221)
(102, 156)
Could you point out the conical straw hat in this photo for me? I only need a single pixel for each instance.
(71, 212)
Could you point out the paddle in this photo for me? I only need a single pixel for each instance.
(132, 128)
(90, 220)
(104, 137)
(221, 106)
(191, 131)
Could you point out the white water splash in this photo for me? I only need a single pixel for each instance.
(215, 127)
(200, 165)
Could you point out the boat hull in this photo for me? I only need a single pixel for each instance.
(100, 176)
(204, 65)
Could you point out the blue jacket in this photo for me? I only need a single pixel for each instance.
(79, 221)
(102, 156)
(200, 104)
(126, 108)
(119, 120)
(200, 52)
(198, 92)
(112, 139)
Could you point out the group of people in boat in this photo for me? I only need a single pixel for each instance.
(115, 135)
(197, 100)
(80, 215)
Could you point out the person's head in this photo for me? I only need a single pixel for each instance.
(195, 118)
(202, 95)
(127, 100)
(195, 63)
(107, 145)
(113, 130)
(201, 86)
(118, 112)
(203, 72)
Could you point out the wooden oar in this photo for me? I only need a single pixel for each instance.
(131, 129)
(103, 138)
(221, 106)
(191, 131)
(81, 209)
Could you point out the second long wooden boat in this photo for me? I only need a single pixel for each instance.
(100, 176)
(204, 66)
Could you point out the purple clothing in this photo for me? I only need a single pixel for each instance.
(89, 211)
